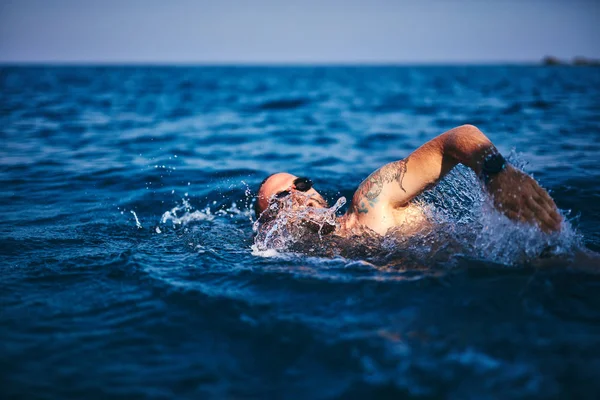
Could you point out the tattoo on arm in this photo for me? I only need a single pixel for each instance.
(370, 189)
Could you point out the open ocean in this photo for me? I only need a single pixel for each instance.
(129, 268)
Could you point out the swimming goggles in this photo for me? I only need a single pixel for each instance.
(302, 184)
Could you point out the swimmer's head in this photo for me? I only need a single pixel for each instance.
(283, 188)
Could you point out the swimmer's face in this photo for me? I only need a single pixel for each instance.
(287, 186)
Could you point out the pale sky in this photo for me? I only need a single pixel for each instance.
(297, 31)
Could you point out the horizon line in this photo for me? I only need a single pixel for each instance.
(269, 63)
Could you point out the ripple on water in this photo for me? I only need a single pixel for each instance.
(189, 306)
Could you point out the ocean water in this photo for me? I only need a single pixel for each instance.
(130, 269)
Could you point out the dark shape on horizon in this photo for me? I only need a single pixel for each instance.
(578, 61)
(551, 61)
(586, 62)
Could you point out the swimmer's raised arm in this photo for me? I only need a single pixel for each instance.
(392, 186)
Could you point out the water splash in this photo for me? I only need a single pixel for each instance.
(476, 229)
(291, 225)
(459, 221)
(188, 215)
(185, 213)
(137, 221)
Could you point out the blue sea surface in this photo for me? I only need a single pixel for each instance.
(129, 268)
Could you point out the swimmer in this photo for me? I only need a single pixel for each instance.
(383, 200)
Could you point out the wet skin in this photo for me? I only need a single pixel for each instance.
(382, 200)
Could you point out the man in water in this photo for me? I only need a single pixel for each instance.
(383, 200)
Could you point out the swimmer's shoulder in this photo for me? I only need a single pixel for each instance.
(410, 218)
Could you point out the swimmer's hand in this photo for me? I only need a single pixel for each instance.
(520, 198)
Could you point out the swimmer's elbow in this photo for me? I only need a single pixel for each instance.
(469, 128)
(466, 144)
(470, 134)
